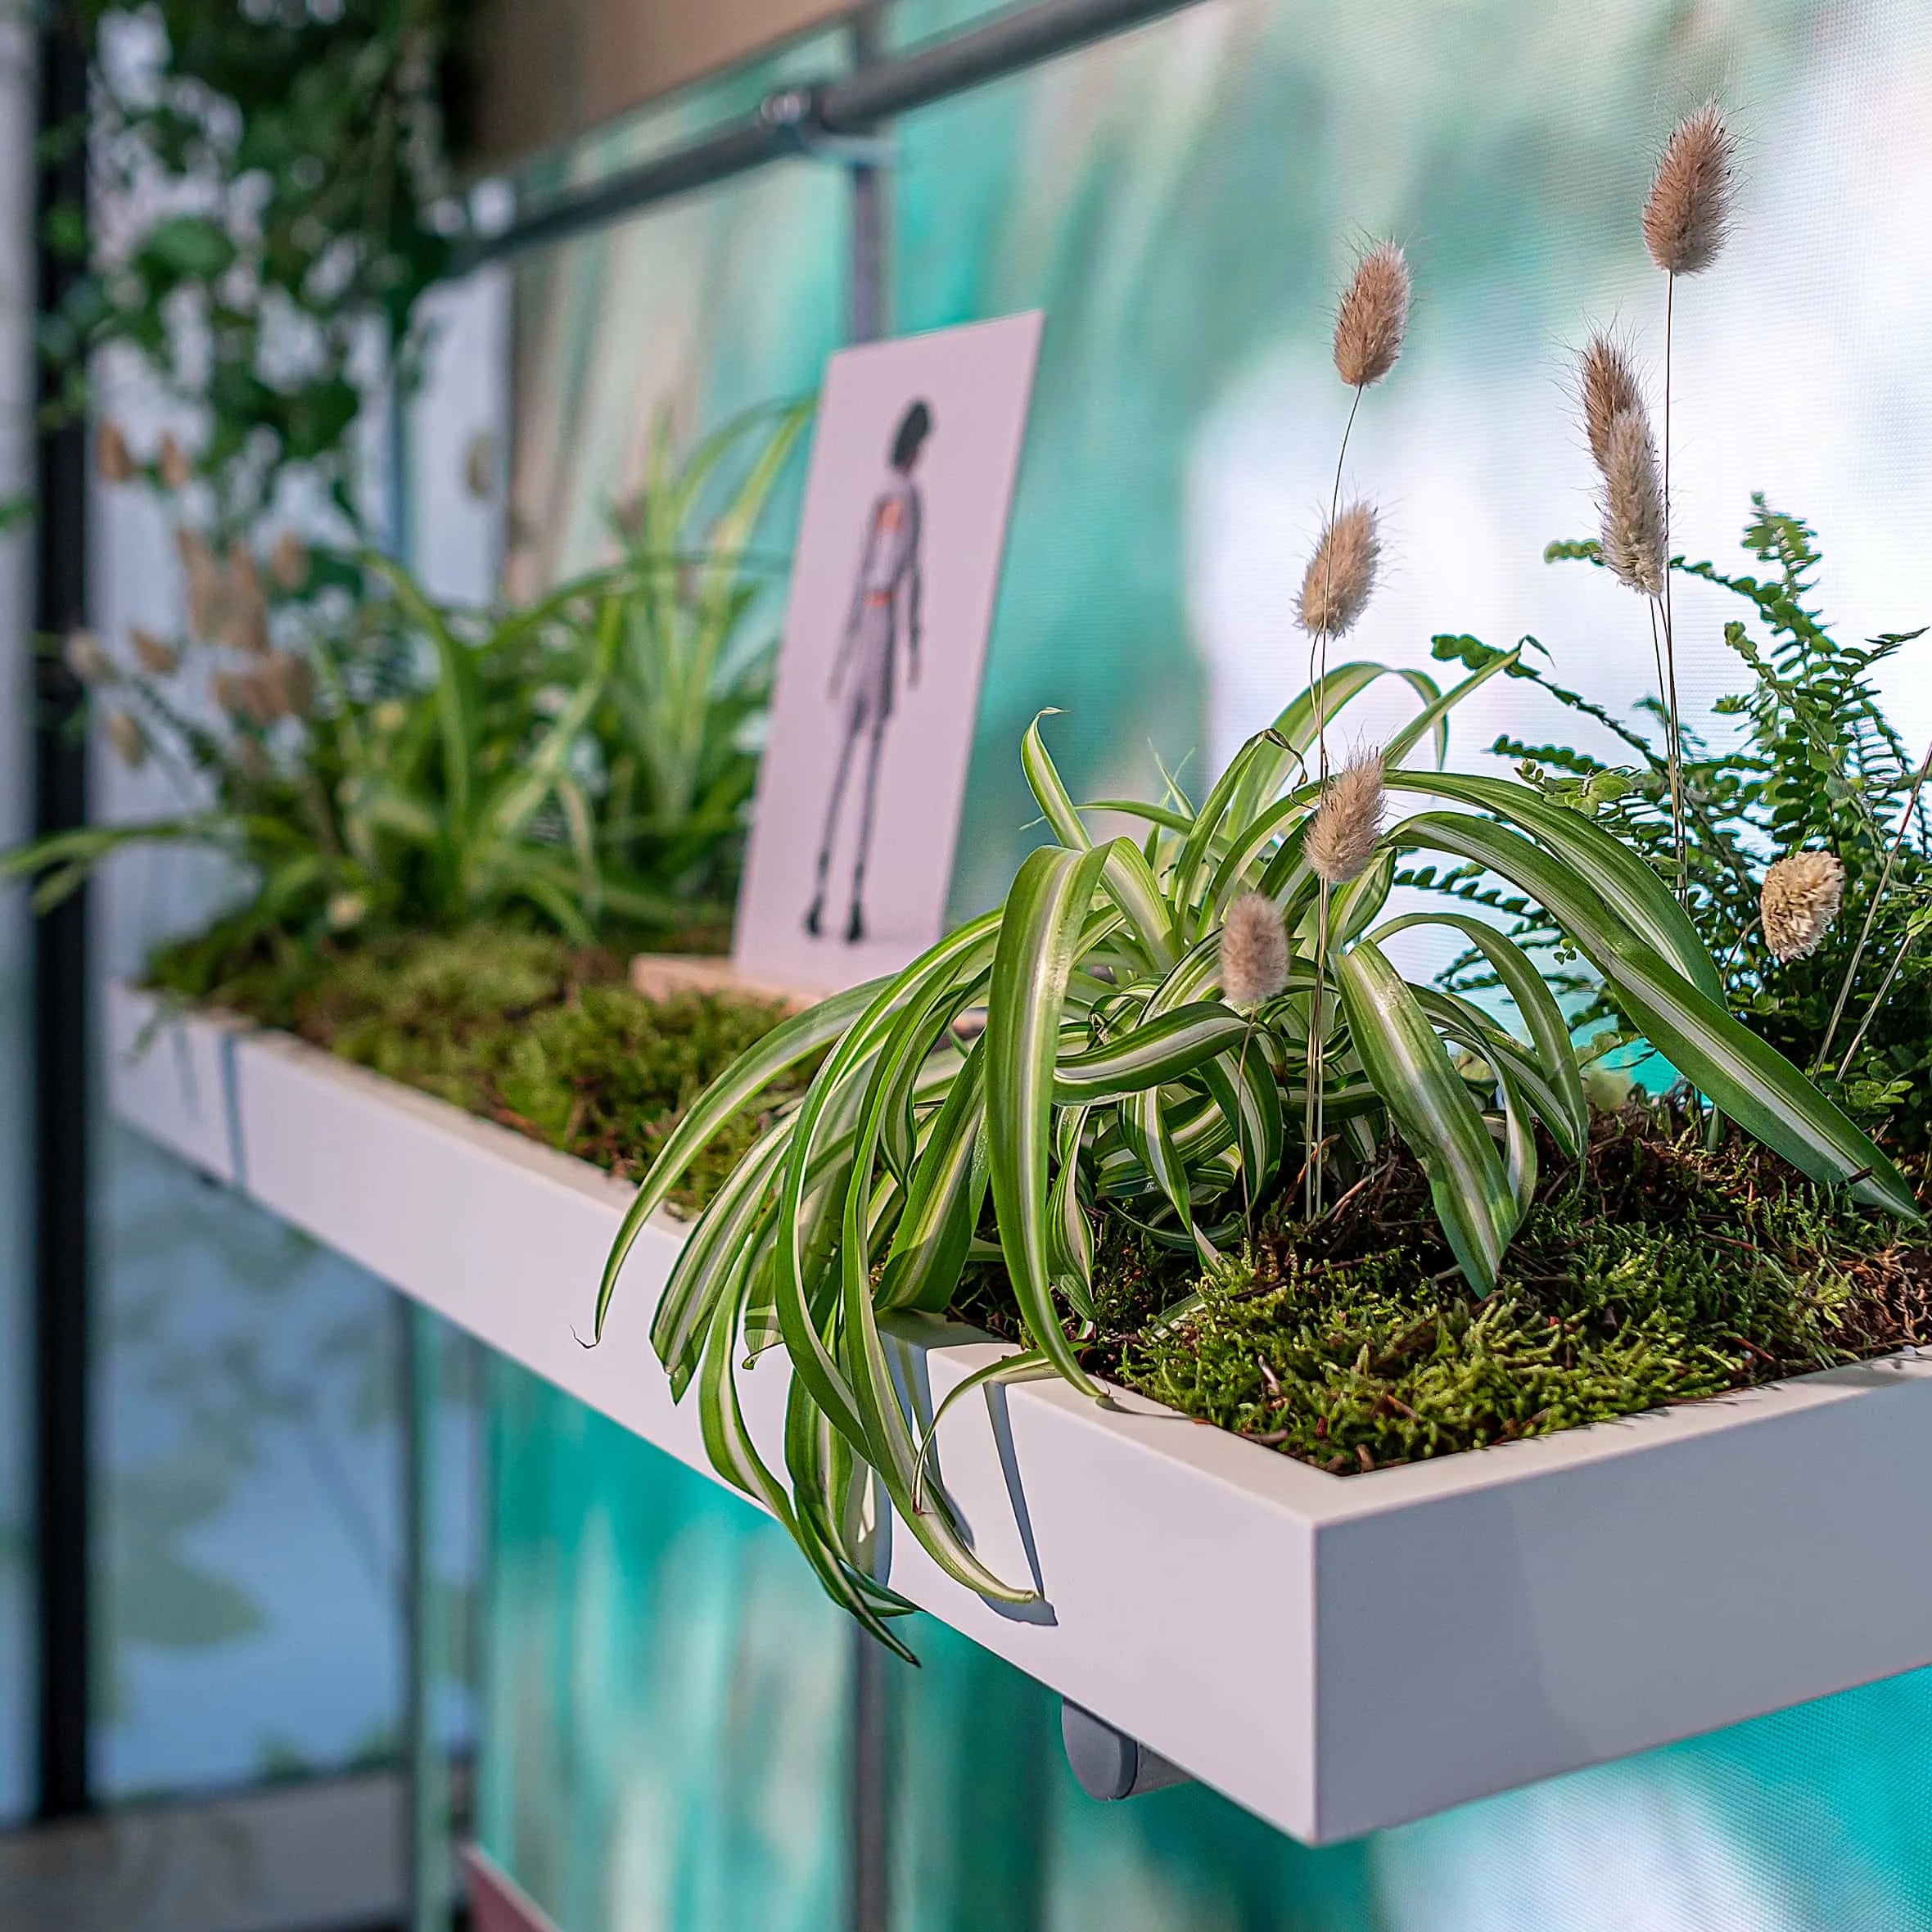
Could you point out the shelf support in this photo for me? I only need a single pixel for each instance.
(1108, 1764)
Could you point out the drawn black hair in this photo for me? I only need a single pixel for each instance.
(914, 427)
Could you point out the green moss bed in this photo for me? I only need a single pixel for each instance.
(1654, 1272)
(521, 1028)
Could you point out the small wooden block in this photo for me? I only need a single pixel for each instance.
(659, 975)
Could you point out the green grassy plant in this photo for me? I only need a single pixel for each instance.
(1113, 1087)
(693, 673)
(581, 765)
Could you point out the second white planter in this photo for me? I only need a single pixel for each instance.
(1336, 1654)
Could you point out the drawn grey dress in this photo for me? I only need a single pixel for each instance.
(885, 609)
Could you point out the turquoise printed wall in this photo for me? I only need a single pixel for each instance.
(1184, 202)
(664, 1687)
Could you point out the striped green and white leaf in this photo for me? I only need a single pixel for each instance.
(1112, 1085)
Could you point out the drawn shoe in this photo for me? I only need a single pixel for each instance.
(856, 927)
(811, 918)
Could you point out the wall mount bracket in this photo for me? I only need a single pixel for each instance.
(1108, 1764)
(797, 116)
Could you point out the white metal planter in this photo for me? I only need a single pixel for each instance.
(1336, 1654)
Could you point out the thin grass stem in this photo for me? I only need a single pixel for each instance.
(1884, 879)
(1673, 742)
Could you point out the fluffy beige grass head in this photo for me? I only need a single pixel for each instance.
(1687, 213)
(1253, 951)
(1607, 388)
(1341, 574)
(1634, 543)
(1348, 821)
(1374, 316)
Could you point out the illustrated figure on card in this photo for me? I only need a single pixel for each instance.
(915, 455)
(884, 619)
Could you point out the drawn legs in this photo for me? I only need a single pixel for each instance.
(860, 724)
(856, 930)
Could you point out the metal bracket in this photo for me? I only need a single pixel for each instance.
(797, 115)
(1107, 1763)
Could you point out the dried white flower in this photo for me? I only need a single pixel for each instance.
(1798, 901)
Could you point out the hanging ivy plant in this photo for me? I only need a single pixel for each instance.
(274, 198)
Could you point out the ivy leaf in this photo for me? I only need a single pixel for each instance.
(190, 245)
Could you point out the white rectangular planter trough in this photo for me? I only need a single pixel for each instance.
(1336, 1654)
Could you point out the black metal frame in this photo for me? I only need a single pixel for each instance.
(795, 119)
(869, 1783)
(61, 1027)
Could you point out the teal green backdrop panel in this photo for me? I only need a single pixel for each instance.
(665, 1688)
(1816, 1820)
(664, 1748)
(1185, 201)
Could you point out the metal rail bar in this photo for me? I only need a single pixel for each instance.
(795, 119)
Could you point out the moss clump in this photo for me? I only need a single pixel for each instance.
(520, 1027)
(1654, 1273)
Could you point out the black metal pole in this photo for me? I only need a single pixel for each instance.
(60, 985)
(870, 1833)
(1006, 44)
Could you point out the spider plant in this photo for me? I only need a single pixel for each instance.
(693, 673)
(418, 765)
(1113, 1087)
(378, 758)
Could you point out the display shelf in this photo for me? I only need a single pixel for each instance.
(1336, 1654)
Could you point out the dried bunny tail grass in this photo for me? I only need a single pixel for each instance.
(1348, 822)
(129, 741)
(1633, 527)
(1799, 902)
(114, 462)
(207, 586)
(287, 673)
(86, 657)
(288, 561)
(155, 655)
(1253, 951)
(245, 625)
(1609, 389)
(252, 695)
(177, 471)
(1341, 574)
(1687, 214)
(1374, 316)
